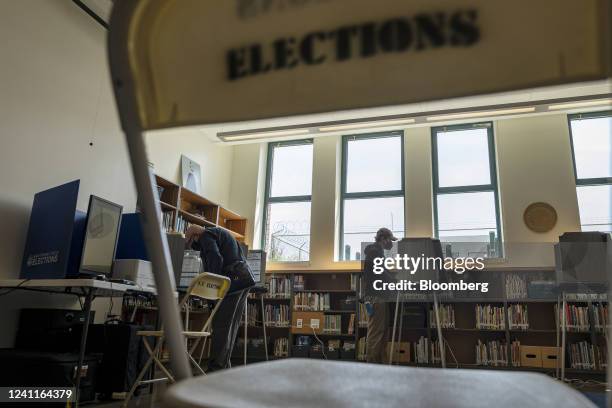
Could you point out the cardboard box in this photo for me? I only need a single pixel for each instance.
(401, 352)
(303, 322)
(531, 356)
(550, 356)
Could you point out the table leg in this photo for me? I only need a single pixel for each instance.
(246, 325)
(87, 310)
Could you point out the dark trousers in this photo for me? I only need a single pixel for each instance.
(378, 323)
(225, 327)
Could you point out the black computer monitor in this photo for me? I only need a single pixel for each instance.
(101, 233)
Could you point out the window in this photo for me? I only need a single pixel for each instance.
(288, 196)
(466, 206)
(372, 189)
(591, 138)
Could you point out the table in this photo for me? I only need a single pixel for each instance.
(82, 288)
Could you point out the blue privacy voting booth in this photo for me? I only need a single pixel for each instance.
(55, 234)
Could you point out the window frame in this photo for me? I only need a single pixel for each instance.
(344, 195)
(281, 199)
(590, 181)
(479, 188)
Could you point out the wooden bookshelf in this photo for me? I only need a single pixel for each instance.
(186, 207)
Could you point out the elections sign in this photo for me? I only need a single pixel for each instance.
(197, 62)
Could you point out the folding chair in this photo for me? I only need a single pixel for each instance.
(207, 286)
(177, 63)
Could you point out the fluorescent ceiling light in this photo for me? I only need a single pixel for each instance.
(366, 125)
(585, 104)
(468, 115)
(262, 135)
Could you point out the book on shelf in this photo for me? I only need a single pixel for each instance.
(517, 317)
(584, 356)
(298, 282)
(311, 301)
(332, 324)
(278, 288)
(351, 325)
(281, 347)
(447, 317)
(515, 353)
(576, 317)
(354, 282)
(490, 317)
(492, 353)
(276, 315)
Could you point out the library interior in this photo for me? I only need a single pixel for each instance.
(305, 203)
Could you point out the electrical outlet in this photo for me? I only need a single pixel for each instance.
(299, 323)
(314, 323)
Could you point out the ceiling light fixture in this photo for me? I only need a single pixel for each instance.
(468, 115)
(585, 104)
(349, 126)
(262, 135)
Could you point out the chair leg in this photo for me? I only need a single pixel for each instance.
(195, 363)
(157, 361)
(142, 372)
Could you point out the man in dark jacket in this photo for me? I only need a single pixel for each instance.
(219, 249)
(377, 309)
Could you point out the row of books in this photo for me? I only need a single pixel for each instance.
(447, 317)
(583, 355)
(332, 324)
(281, 347)
(517, 317)
(182, 224)
(253, 318)
(311, 301)
(279, 288)
(426, 351)
(492, 353)
(576, 318)
(600, 316)
(167, 221)
(516, 287)
(276, 315)
(490, 317)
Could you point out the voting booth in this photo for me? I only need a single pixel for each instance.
(177, 63)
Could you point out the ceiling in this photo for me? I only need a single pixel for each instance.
(523, 97)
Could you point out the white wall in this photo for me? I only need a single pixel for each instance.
(534, 161)
(534, 164)
(165, 147)
(55, 99)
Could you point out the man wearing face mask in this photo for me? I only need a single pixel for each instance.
(377, 309)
